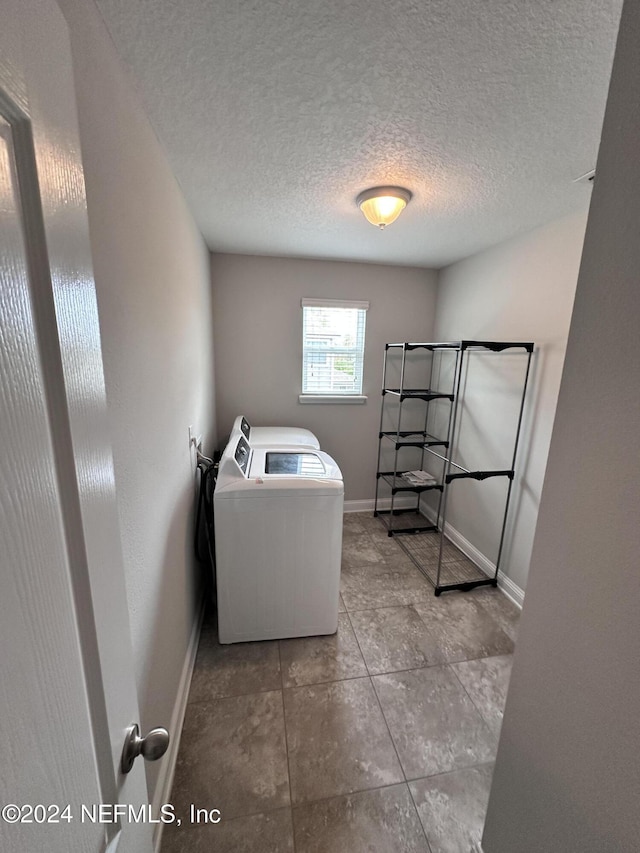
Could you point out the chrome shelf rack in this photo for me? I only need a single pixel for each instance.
(421, 538)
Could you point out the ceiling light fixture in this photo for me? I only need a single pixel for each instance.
(383, 205)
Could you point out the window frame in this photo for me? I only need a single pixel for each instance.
(331, 396)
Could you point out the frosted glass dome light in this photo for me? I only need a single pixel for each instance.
(383, 205)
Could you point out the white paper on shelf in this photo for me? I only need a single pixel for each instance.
(419, 478)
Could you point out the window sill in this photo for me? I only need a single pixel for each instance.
(350, 399)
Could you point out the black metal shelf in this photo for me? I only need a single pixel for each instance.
(417, 394)
(493, 346)
(393, 479)
(497, 346)
(404, 522)
(461, 574)
(425, 440)
(478, 475)
(409, 346)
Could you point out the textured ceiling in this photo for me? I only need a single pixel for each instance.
(275, 114)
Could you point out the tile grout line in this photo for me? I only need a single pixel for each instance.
(428, 666)
(395, 749)
(346, 678)
(364, 660)
(407, 782)
(393, 743)
(234, 696)
(415, 805)
(267, 811)
(286, 748)
(356, 794)
(435, 776)
(386, 722)
(383, 606)
(448, 772)
(349, 794)
(272, 810)
(470, 697)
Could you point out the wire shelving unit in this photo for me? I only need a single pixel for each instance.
(421, 537)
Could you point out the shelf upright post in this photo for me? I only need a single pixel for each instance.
(397, 442)
(384, 385)
(513, 462)
(454, 403)
(426, 420)
(453, 417)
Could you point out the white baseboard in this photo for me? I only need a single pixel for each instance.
(358, 506)
(511, 590)
(167, 772)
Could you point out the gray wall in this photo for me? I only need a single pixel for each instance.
(567, 773)
(523, 290)
(152, 277)
(258, 346)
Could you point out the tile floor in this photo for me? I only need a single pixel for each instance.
(379, 739)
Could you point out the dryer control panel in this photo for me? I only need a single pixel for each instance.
(245, 426)
(242, 454)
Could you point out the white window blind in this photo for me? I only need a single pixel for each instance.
(332, 346)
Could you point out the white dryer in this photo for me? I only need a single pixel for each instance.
(278, 533)
(265, 436)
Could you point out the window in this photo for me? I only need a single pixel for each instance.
(332, 349)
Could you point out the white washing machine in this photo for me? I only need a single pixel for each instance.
(278, 532)
(265, 436)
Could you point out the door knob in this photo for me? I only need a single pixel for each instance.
(152, 746)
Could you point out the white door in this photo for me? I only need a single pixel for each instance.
(67, 691)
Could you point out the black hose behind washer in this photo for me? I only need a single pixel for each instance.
(208, 476)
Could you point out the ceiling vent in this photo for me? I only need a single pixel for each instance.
(587, 178)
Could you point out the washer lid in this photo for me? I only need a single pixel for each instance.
(293, 462)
